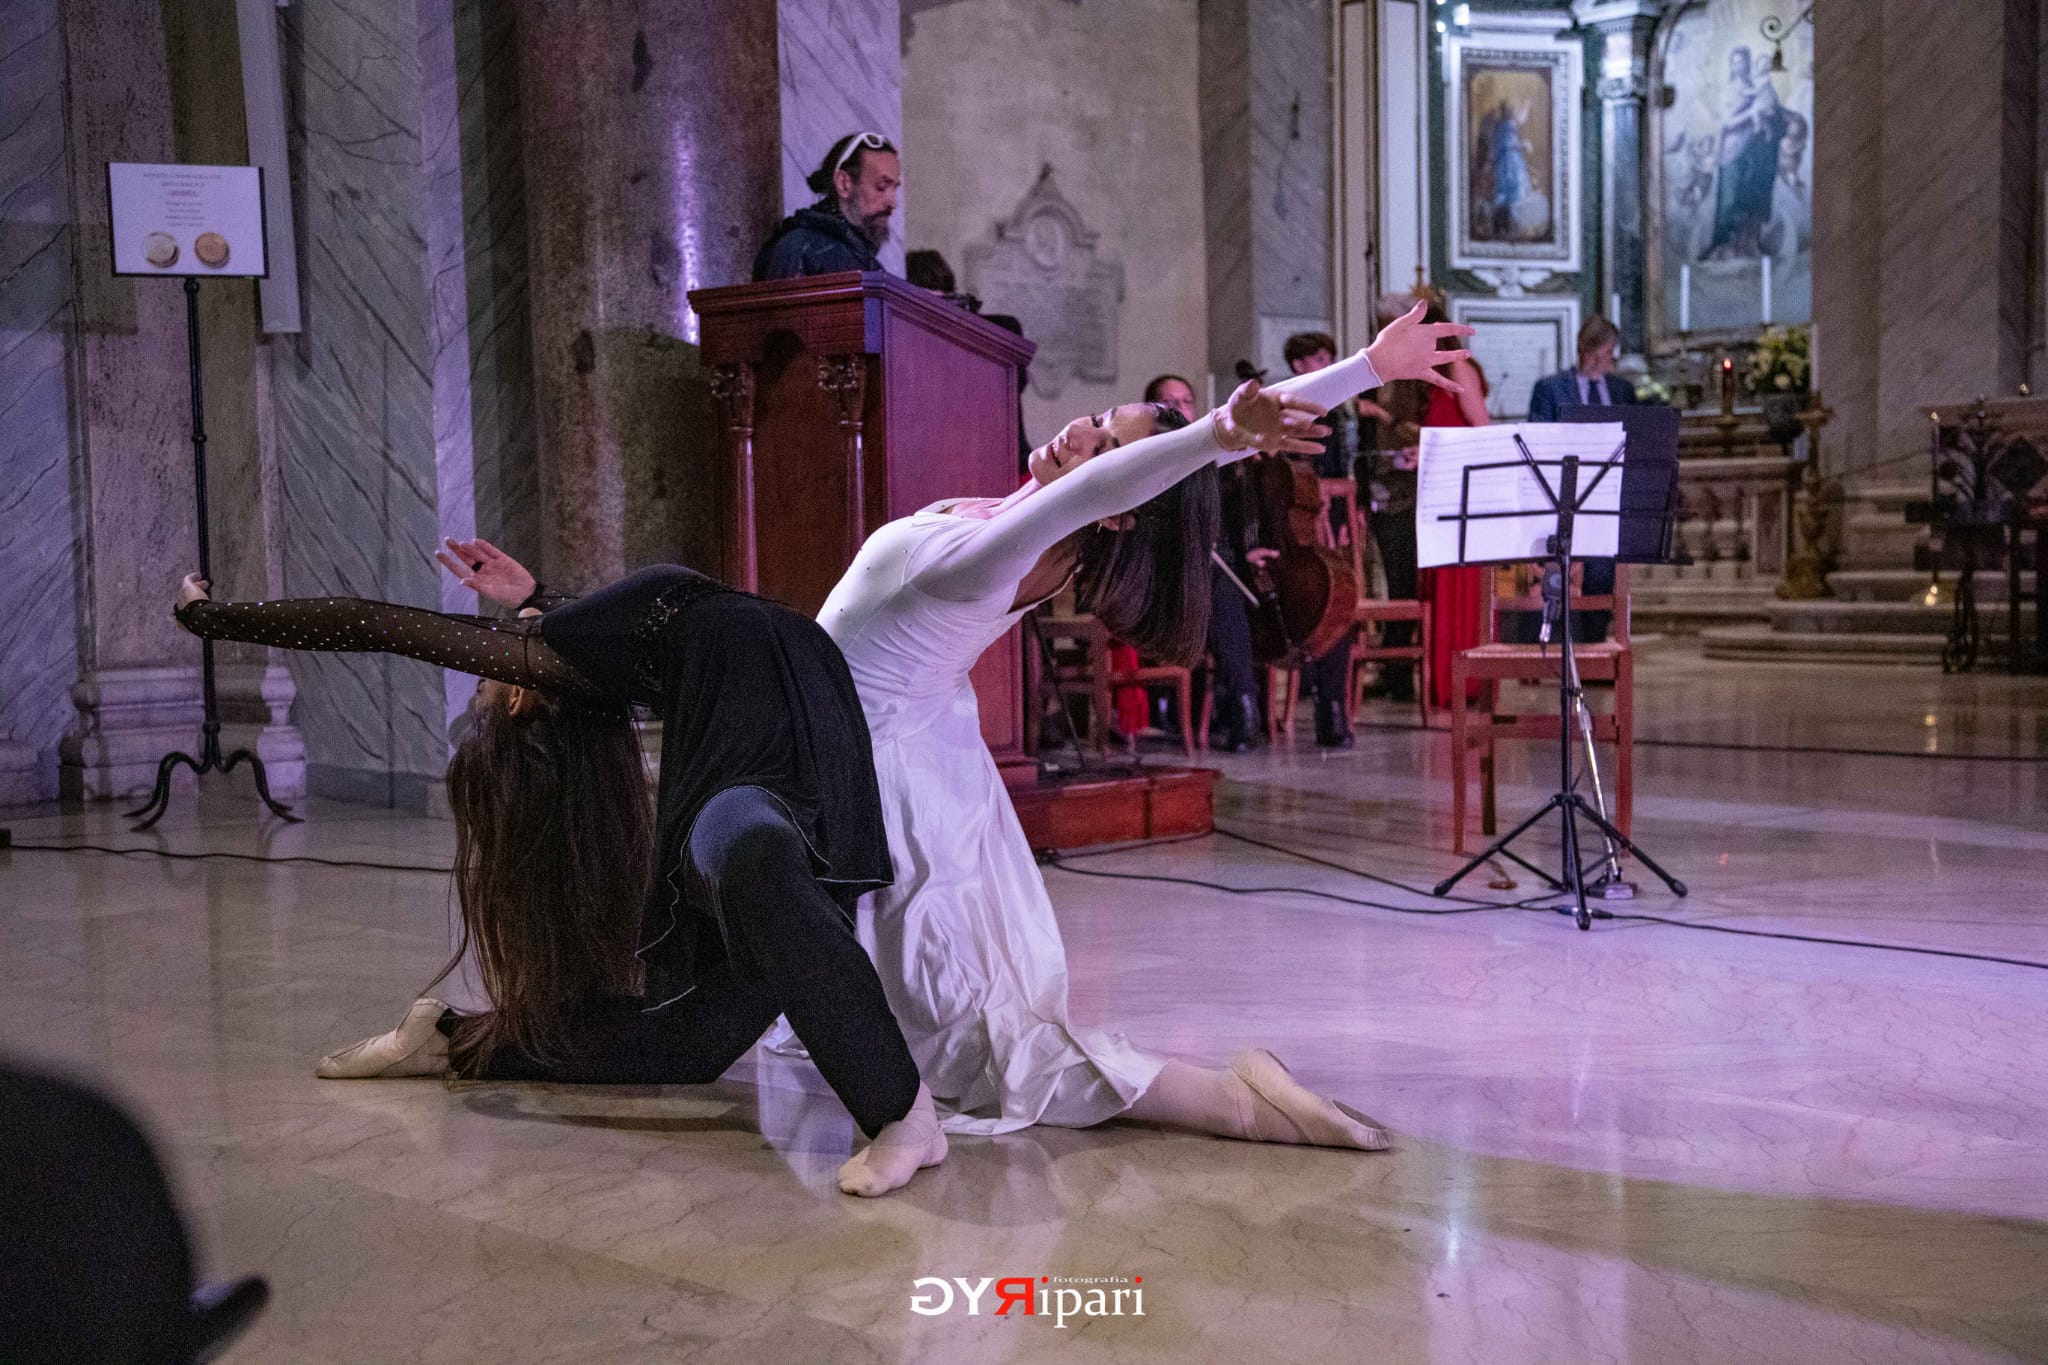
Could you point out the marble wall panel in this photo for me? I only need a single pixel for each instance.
(1848, 57)
(1265, 111)
(1938, 226)
(39, 499)
(1107, 95)
(354, 392)
(505, 490)
(1289, 78)
(840, 67)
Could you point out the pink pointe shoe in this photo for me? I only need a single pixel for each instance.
(1323, 1122)
(415, 1048)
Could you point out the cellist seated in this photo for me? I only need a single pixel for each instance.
(1247, 623)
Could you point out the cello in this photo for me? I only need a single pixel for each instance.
(1306, 598)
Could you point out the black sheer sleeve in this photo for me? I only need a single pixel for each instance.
(545, 599)
(485, 647)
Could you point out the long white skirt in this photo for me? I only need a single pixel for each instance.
(968, 949)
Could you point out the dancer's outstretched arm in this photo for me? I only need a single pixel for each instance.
(508, 651)
(997, 553)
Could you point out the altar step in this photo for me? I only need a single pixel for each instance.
(1889, 631)
(1688, 606)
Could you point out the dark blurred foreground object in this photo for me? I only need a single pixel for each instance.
(94, 1261)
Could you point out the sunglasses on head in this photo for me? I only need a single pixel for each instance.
(873, 142)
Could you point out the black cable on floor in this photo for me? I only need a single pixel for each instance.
(1732, 747)
(1545, 901)
(236, 857)
(1468, 909)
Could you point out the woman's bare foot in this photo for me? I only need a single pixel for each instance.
(1285, 1110)
(898, 1152)
(415, 1048)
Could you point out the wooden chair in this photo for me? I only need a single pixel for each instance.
(1083, 669)
(1491, 663)
(1376, 613)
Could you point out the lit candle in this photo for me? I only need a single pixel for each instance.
(1764, 273)
(1685, 298)
(1727, 383)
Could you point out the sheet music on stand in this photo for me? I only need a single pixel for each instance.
(1478, 502)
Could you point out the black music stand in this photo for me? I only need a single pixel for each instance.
(1567, 502)
(210, 759)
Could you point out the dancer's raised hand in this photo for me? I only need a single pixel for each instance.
(1262, 419)
(487, 571)
(193, 588)
(1406, 348)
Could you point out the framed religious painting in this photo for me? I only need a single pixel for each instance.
(1731, 173)
(1513, 138)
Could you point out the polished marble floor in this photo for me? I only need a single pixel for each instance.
(1643, 1143)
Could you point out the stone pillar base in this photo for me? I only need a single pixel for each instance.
(17, 773)
(129, 718)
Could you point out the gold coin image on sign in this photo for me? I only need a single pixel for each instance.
(211, 249)
(160, 249)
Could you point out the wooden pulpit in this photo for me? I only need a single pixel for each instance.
(847, 401)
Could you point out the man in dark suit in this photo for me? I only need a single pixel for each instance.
(1590, 383)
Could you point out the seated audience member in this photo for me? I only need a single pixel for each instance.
(856, 187)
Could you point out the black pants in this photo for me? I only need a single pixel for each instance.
(1393, 534)
(1230, 639)
(790, 950)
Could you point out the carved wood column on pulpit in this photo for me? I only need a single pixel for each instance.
(732, 386)
(844, 379)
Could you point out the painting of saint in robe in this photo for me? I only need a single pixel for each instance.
(1508, 154)
(1747, 164)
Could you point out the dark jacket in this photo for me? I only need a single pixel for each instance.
(813, 241)
(1561, 390)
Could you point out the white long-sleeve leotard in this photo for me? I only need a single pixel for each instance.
(965, 942)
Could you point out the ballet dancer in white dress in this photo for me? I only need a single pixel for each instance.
(965, 940)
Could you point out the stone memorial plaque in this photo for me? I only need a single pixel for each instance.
(1041, 265)
(1517, 342)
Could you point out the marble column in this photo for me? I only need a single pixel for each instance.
(400, 410)
(41, 505)
(652, 168)
(1924, 172)
(137, 691)
(1625, 28)
(1265, 116)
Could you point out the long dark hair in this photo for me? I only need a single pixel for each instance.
(554, 839)
(1150, 584)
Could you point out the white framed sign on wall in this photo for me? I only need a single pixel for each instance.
(186, 220)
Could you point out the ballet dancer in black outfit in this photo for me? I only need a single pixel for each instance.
(621, 944)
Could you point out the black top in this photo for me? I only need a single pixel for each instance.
(749, 692)
(814, 241)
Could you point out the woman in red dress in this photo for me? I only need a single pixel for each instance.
(1455, 596)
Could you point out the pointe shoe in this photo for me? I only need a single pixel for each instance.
(1323, 1122)
(415, 1048)
(911, 1144)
